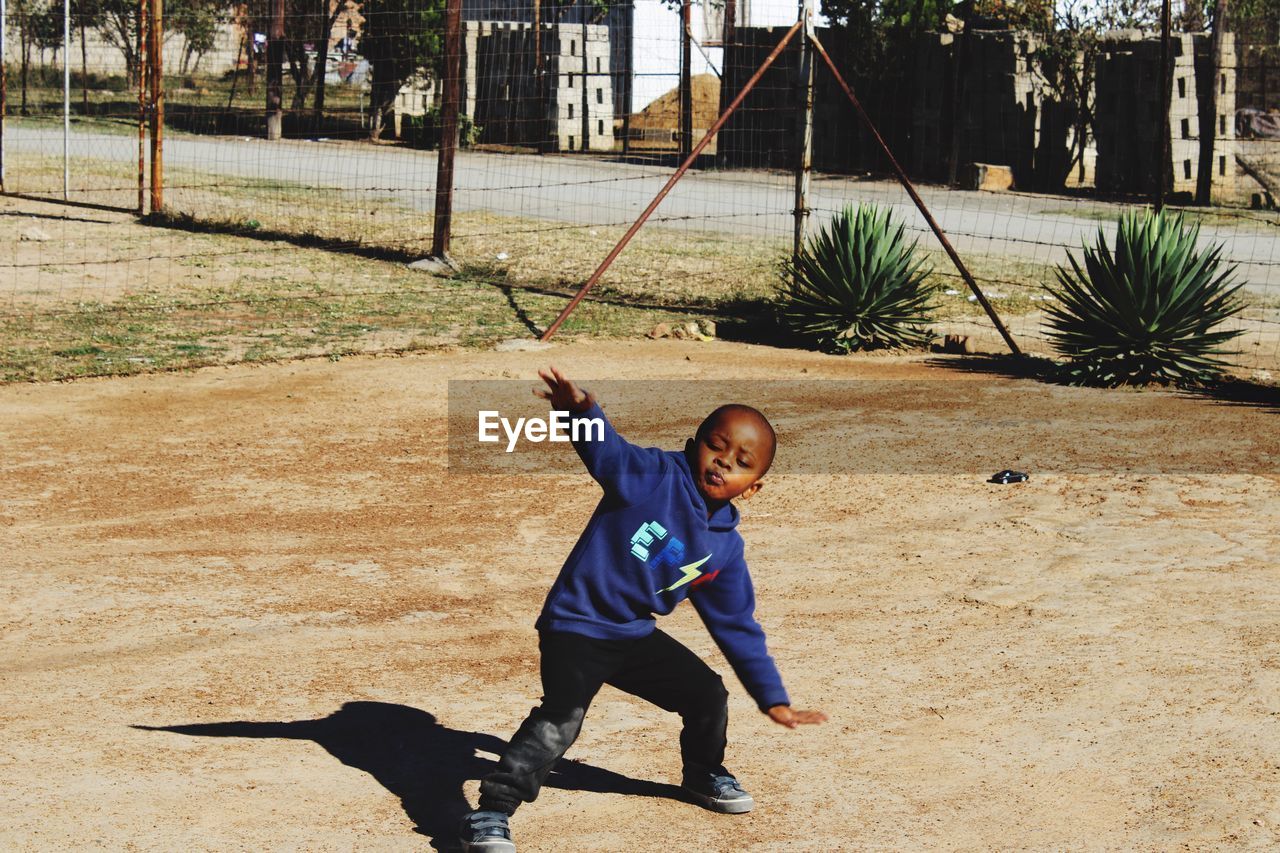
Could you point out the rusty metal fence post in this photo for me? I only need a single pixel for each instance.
(4, 84)
(804, 117)
(143, 77)
(443, 225)
(155, 49)
(1162, 152)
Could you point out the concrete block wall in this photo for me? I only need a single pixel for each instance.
(1229, 183)
(502, 94)
(582, 100)
(1127, 110)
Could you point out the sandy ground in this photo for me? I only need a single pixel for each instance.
(252, 608)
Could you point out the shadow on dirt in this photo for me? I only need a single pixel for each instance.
(419, 760)
(1227, 391)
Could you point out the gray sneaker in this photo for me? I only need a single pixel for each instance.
(486, 832)
(719, 792)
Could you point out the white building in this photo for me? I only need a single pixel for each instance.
(656, 40)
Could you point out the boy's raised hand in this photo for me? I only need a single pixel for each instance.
(785, 715)
(562, 393)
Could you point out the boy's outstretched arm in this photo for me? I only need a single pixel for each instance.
(727, 607)
(785, 715)
(627, 472)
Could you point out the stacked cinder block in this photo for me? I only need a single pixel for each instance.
(581, 104)
(1227, 187)
(1002, 100)
(1001, 82)
(571, 109)
(1184, 114)
(1127, 121)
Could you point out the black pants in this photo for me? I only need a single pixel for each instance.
(656, 668)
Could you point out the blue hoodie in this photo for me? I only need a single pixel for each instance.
(648, 546)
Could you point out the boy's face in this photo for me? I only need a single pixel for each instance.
(730, 456)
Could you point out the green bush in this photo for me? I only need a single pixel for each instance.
(1145, 312)
(424, 131)
(858, 284)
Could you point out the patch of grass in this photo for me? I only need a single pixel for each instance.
(259, 269)
(394, 309)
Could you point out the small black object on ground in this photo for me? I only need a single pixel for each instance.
(1006, 477)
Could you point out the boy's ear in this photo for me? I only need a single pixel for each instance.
(751, 490)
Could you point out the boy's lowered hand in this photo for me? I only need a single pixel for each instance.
(785, 715)
(562, 393)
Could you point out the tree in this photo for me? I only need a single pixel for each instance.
(401, 38)
(46, 29)
(117, 22)
(24, 10)
(1070, 34)
(307, 23)
(197, 21)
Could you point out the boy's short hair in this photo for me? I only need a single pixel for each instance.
(747, 411)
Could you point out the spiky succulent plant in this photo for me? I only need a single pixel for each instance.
(858, 284)
(1147, 311)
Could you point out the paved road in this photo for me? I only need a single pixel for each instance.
(589, 191)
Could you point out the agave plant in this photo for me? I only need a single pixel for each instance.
(858, 284)
(1146, 312)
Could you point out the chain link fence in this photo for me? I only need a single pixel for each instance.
(301, 142)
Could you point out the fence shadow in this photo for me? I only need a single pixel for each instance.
(1227, 392)
(419, 760)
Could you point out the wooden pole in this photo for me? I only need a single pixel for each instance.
(1162, 161)
(275, 71)
(915, 197)
(235, 76)
(585, 145)
(671, 182)
(804, 117)
(957, 91)
(686, 78)
(84, 64)
(322, 62)
(1209, 128)
(4, 84)
(155, 48)
(143, 77)
(726, 53)
(443, 225)
(628, 74)
(67, 100)
(544, 123)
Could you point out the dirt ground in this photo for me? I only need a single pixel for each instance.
(254, 608)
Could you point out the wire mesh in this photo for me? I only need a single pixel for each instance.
(1024, 142)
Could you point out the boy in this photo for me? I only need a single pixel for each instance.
(663, 532)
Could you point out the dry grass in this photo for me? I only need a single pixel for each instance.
(323, 273)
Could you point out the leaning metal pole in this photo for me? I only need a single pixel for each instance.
(671, 182)
(915, 197)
